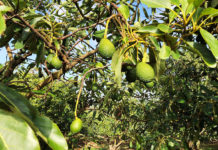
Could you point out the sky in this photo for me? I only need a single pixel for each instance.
(2, 55)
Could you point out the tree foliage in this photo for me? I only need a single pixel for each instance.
(54, 61)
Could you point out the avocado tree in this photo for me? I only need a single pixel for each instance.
(94, 41)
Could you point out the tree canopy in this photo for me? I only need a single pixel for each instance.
(144, 69)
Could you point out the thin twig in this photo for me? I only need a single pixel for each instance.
(81, 13)
(80, 40)
(9, 51)
(93, 25)
(38, 5)
(34, 30)
(82, 84)
(88, 45)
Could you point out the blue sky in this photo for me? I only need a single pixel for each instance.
(2, 55)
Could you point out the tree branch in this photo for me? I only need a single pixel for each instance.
(93, 25)
(13, 64)
(35, 31)
(42, 38)
(9, 51)
(58, 74)
(81, 13)
(80, 40)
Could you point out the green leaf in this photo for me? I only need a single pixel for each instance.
(154, 42)
(82, 33)
(197, 14)
(88, 74)
(50, 130)
(99, 34)
(16, 133)
(211, 41)
(195, 3)
(4, 9)
(31, 15)
(175, 2)
(43, 92)
(124, 10)
(19, 102)
(198, 3)
(165, 28)
(57, 45)
(171, 41)
(145, 13)
(187, 6)
(25, 34)
(116, 66)
(8, 34)
(2, 24)
(164, 52)
(72, 29)
(157, 3)
(36, 20)
(99, 65)
(172, 16)
(214, 3)
(157, 63)
(175, 54)
(190, 1)
(21, 5)
(204, 52)
(19, 44)
(115, 58)
(40, 58)
(216, 21)
(181, 101)
(3, 145)
(149, 29)
(212, 12)
(184, 4)
(171, 144)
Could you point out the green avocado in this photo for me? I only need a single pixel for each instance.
(106, 48)
(144, 72)
(76, 125)
(56, 62)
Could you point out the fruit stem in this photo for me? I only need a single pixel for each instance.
(127, 28)
(129, 48)
(81, 87)
(94, 78)
(145, 56)
(77, 101)
(137, 54)
(105, 33)
(106, 29)
(56, 54)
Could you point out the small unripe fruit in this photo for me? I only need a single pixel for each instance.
(76, 126)
(99, 65)
(94, 87)
(144, 72)
(131, 75)
(106, 48)
(49, 58)
(171, 144)
(56, 62)
(150, 84)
